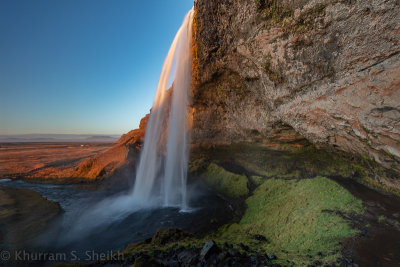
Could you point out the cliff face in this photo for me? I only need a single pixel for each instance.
(122, 154)
(326, 69)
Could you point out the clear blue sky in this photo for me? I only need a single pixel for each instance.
(82, 66)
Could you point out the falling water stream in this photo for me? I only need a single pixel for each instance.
(162, 170)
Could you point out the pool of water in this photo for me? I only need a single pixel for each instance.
(208, 211)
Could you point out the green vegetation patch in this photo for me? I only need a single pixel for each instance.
(273, 74)
(260, 160)
(273, 12)
(228, 183)
(297, 217)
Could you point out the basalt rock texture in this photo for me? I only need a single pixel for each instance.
(124, 152)
(327, 70)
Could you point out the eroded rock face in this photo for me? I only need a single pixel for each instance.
(329, 69)
(125, 152)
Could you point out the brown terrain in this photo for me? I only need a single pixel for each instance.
(23, 213)
(70, 160)
(123, 154)
(45, 160)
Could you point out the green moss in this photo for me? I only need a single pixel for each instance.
(257, 180)
(272, 12)
(197, 165)
(368, 158)
(168, 235)
(307, 17)
(296, 163)
(389, 154)
(294, 217)
(381, 218)
(372, 183)
(149, 247)
(229, 184)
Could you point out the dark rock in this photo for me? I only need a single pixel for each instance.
(260, 238)
(222, 256)
(244, 247)
(253, 259)
(209, 248)
(188, 257)
(233, 252)
(272, 256)
(146, 261)
(174, 264)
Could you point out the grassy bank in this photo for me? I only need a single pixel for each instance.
(228, 183)
(290, 202)
(297, 218)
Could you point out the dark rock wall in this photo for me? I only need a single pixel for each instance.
(327, 69)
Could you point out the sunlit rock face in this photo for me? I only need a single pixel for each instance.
(328, 70)
(122, 154)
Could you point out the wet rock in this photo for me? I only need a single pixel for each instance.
(209, 248)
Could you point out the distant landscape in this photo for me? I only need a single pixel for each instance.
(46, 159)
(28, 138)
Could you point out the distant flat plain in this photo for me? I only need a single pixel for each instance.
(56, 160)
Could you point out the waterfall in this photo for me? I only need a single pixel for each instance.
(162, 170)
